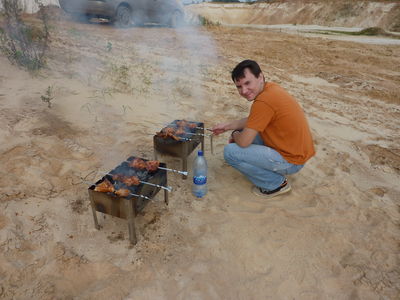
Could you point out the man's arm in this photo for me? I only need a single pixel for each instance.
(232, 125)
(245, 137)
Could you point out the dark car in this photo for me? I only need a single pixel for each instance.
(128, 12)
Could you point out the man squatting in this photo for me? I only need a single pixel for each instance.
(274, 140)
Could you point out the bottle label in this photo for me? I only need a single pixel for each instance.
(200, 180)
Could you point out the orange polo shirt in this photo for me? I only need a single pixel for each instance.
(281, 122)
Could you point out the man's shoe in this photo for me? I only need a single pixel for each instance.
(283, 188)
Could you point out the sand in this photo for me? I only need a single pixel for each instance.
(335, 236)
(342, 13)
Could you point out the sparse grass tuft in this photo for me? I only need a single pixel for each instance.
(371, 31)
(182, 87)
(24, 43)
(109, 46)
(121, 78)
(127, 78)
(48, 96)
(74, 31)
(203, 21)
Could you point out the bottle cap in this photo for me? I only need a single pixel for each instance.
(200, 153)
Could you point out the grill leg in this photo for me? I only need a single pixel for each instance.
(96, 223)
(184, 166)
(184, 156)
(155, 154)
(131, 222)
(166, 200)
(202, 143)
(166, 197)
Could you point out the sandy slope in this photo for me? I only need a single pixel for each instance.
(335, 236)
(344, 13)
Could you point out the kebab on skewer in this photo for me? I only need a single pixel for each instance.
(122, 192)
(192, 125)
(134, 181)
(174, 133)
(184, 123)
(140, 164)
(131, 180)
(153, 165)
(105, 187)
(168, 132)
(156, 163)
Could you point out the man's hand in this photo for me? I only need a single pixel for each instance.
(220, 128)
(232, 125)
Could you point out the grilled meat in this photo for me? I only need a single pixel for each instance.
(133, 180)
(168, 132)
(192, 125)
(180, 131)
(118, 177)
(105, 187)
(138, 164)
(122, 192)
(152, 165)
(182, 123)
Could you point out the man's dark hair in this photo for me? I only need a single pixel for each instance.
(238, 71)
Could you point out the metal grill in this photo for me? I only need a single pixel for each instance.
(127, 207)
(183, 147)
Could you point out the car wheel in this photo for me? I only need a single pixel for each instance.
(176, 19)
(123, 17)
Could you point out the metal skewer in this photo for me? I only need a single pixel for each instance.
(209, 129)
(167, 169)
(134, 195)
(185, 139)
(175, 171)
(167, 188)
(180, 138)
(175, 126)
(202, 134)
(141, 196)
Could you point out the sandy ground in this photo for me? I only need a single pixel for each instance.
(335, 236)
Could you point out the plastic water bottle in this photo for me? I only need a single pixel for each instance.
(199, 187)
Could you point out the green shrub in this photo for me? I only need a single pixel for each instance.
(203, 21)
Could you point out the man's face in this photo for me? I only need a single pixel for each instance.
(250, 86)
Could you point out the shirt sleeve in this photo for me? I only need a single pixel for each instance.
(260, 116)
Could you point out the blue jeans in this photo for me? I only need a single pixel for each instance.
(262, 165)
